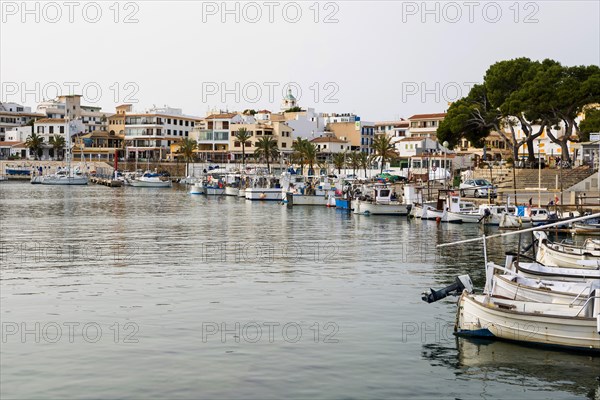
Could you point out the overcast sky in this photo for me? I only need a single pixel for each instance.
(380, 60)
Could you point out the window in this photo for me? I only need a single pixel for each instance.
(62, 129)
(51, 129)
(187, 123)
(168, 131)
(180, 122)
(232, 134)
(283, 145)
(237, 144)
(168, 120)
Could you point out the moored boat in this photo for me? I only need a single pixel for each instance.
(150, 180)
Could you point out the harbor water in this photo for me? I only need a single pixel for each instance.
(153, 293)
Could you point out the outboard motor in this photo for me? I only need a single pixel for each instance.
(462, 282)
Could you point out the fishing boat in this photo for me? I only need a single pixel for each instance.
(460, 211)
(198, 188)
(381, 201)
(557, 325)
(502, 282)
(563, 254)
(264, 188)
(306, 190)
(537, 270)
(151, 180)
(586, 228)
(517, 287)
(492, 213)
(232, 184)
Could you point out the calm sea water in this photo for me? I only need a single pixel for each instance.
(151, 293)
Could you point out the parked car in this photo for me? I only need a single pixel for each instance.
(478, 188)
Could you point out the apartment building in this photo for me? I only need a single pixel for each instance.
(13, 115)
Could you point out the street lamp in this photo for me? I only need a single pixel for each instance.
(445, 144)
(539, 173)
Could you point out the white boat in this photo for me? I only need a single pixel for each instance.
(565, 255)
(492, 214)
(198, 188)
(460, 211)
(63, 177)
(536, 270)
(307, 190)
(242, 192)
(36, 179)
(586, 228)
(556, 325)
(516, 287)
(380, 202)
(150, 180)
(232, 184)
(264, 188)
(264, 194)
(231, 190)
(68, 175)
(510, 221)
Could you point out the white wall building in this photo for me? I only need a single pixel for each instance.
(13, 115)
(331, 145)
(149, 134)
(70, 106)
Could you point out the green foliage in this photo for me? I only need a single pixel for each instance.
(590, 124)
(339, 160)
(35, 142)
(383, 148)
(266, 147)
(243, 136)
(294, 109)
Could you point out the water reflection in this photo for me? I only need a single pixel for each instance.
(530, 369)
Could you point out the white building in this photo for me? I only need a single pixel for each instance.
(49, 127)
(306, 124)
(330, 145)
(70, 107)
(425, 124)
(13, 115)
(149, 134)
(213, 135)
(14, 143)
(417, 145)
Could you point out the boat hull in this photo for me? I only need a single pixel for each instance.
(241, 193)
(370, 208)
(215, 191)
(477, 318)
(507, 288)
(258, 194)
(303, 200)
(137, 183)
(552, 256)
(508, 221)
(66, 181)
(231, 191)
(197, 189)
(466, 218)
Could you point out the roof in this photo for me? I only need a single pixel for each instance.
(22, 114)
(221, 116)
(51, 121)
(263, 112)
(413, 139)
(427, 116)
(12, 144)
(328, 139)
(393, 123)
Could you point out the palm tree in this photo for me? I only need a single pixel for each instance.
(383, 147)
(266, 147)
(34, 143)
(186, 148)
(243, 136)
(354, 161)
(310, 156)
(58, 143)
(364, 160)
(299, 154)
(339, 160)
